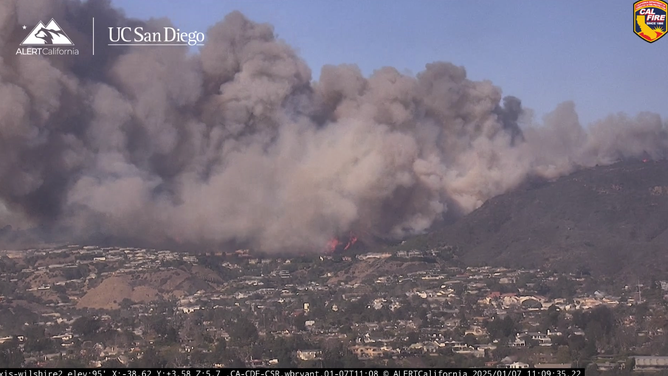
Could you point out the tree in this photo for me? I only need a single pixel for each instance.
(59, 289)
(150, 359)
(338, 356)
(163, 328)
(86, 326)
(11, 355)
(630, 364)
(502, 351)
(126, 303)
(463, 321)
(412, 338)
(299, 322)
(641, 311)
(470, 339)
(172, 335)
(198, 358)
(542, 289)
(592, 370)
(589, 350)
(564, 288)
(551, 319)
(594, 331)
(220, 347)
(604, 317)
(284, 357)
(71, 363)
(159, 324)
(563, 354)
(244, 332)
(501, 328)
(40, 345)
(235, 362)
(112, 363)
(530, 342)
(36, 340)
(576, 344)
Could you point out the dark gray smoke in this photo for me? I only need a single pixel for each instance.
(238, 144)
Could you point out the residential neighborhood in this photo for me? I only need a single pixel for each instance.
(90, 306)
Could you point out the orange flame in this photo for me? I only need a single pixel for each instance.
(351, 241)
(332, 244)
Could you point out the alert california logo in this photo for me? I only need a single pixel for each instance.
(49, 39)
(649, 19)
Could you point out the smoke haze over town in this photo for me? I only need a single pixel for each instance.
(238, 142)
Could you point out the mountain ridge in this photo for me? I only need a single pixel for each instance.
(605, 219)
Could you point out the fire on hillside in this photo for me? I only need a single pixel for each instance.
(341, 244)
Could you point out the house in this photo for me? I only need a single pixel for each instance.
(542, 339)
(189, 309)
(553, 365)
(430, 347)
(367, 352)
(464, 349)
(555, 333)
(651, 362)
(518, 342)
(375, 338)
(373, 255)
(311, 354)
(476, 330)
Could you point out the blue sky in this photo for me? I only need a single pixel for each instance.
(544, 52)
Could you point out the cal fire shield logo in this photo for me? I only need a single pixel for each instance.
(649, 19)
(49, 35)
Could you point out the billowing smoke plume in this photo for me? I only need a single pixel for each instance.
(237, 143)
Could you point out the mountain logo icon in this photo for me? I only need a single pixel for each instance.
(49, 35)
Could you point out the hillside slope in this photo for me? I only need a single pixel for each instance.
(611, 219)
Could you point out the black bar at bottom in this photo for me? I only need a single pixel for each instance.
(293, 372)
